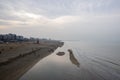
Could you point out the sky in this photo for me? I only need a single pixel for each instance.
(92, 20)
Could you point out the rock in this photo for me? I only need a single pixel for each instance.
(60, 53)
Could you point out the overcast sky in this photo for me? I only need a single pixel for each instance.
(62, 19)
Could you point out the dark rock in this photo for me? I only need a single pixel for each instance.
(60, 53)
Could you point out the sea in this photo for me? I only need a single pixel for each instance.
(86, 61)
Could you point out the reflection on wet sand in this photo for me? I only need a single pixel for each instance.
(73, 59)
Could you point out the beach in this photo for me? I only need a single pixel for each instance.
(18, 58)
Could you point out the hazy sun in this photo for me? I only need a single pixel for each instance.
(28, 15)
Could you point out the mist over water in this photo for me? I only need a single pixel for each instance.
(89, 61)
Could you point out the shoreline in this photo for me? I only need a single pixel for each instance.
(17, 66)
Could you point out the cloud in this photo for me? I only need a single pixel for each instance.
(55, 8)
(61, 18)
(26, 18)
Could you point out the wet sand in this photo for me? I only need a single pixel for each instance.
(18, 58)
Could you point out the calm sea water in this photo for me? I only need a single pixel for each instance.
(89, 61)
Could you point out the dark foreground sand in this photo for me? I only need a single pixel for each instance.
(16, 59)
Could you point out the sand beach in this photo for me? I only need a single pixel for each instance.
(18, 58)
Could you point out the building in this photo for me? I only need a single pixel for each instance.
(10, 37)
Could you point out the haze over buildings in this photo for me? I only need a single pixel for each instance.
(95, 20)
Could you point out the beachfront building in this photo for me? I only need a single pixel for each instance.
(1, 37)
(11, 38)
(19, 38)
